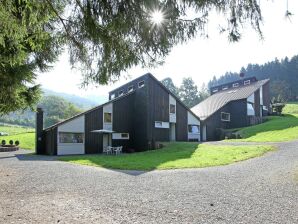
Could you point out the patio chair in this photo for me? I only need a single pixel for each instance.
(107, 150)
(118, 150)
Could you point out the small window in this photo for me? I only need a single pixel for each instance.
(235, 84)
(265, 108)
(158, 124)
(225, 87)
(172, 109)
(108, 117)
(141, 84)
(215, 90)
(113, 96)
(225, 116)
(120, 93)
(246, 82)
(193, 129)
(66, 137)
(130, 89)
(124, 135)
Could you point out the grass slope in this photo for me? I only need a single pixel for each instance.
(174, 155)
(25, 135)
(276, 129)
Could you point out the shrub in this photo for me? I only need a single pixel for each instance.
(17, 142)
(11, 142)
(3, 142)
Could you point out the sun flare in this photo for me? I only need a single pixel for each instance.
(157, 17)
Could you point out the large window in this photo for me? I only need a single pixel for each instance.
(67, 137)
(225, 116)
(195, 129)
(108, 117)
(172, 109)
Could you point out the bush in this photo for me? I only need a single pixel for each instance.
(11, 142)
(17, 142)
(3, 142)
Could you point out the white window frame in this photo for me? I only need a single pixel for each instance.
(226, 114)
(130, 89)
(119, 136)
(225, 87)
(246, 82)
(64, 132)
(235, 85)
(141, 84)
(113, 96)
(161, 124)
(214, 90)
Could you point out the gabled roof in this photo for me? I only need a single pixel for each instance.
(216, 101)
(87, 111)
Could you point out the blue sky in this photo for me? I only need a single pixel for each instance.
(201, 58)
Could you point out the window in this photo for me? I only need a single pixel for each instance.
(124, 135)
(120, 93)
(265, 108)
(158, 124)
(215, 90)
(246, 82)
(225, 87)
(141, 84)
(113, 96)
(172, 109)
(195, 129)
(108, 117)
(66, 137)
(236, 84)
(120, 136)
(130, 89)
(225, 116)
(250, 109)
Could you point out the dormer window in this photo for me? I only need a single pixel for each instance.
(235, 85)
(225, 87)
(130, 89)
(113, 96)
(246, 82)
(141, 84)
(120, 93)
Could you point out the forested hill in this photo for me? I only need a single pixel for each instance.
(283, 77)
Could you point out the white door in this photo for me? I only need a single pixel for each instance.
(172, 132)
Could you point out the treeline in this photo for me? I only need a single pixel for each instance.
(55, 108)
(283, 75)
(188, 92)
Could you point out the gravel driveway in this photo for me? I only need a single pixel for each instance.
(38, 189)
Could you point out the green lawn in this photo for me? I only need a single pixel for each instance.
(25, 135)
(172, 156)
(275, 129)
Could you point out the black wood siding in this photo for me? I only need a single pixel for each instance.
(158, 111)
(181, 123)
(123, 118)
(93, 121)
(257, 103)
(50, 137)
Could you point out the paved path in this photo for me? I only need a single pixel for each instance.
(37, 189)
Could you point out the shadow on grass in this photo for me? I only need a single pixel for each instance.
(133, 163)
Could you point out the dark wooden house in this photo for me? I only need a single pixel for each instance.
(233, 105)
(137, 116)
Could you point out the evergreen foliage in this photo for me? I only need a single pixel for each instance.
(104, 38)
(283, 75)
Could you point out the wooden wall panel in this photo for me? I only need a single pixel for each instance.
(93, 121)
(181, 123)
